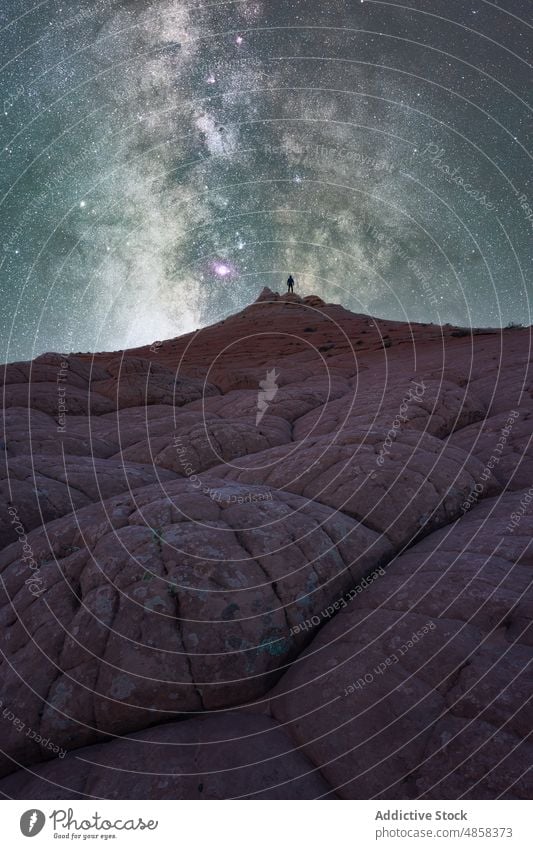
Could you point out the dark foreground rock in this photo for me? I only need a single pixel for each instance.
(288, 556)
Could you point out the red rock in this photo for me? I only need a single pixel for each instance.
(153, 605)
(226, 756)
(447, 716)
(192, 523)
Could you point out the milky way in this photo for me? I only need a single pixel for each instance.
(163, 162)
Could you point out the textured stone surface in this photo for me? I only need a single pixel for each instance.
(230, 756)
(432, 719)
(233, 536)
(159, 605)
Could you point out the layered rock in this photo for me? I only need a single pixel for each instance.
(285, 556)
(231, 756)
(423, 689)
(154, 605)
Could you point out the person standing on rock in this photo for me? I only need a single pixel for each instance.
(290, 284)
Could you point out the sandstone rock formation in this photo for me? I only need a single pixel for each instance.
(322, 595)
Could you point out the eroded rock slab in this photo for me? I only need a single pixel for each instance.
(150, 606)
(217, 511)
(228, 756)
(423, 688)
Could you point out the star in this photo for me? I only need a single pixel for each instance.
(194, 146)
(222, 269)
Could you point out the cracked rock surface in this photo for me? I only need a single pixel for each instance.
(275, 558)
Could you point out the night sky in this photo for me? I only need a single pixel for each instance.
(162, 162)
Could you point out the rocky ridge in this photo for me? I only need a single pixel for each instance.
(325, 595)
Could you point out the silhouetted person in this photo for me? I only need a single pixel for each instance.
(290, 284)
